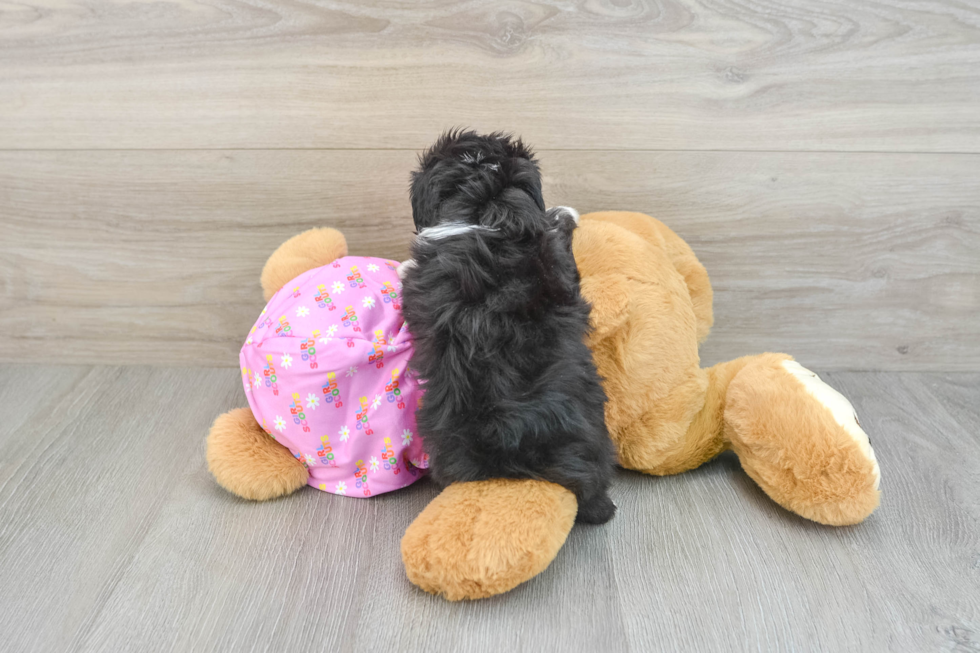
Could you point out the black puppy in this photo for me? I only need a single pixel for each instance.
(492, 300)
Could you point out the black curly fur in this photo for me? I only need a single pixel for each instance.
(511, 390)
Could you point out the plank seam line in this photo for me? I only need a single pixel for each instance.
(542, 149)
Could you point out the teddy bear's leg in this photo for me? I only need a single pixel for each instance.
(311, 249)
(678, 252)
(246, 461)
(682, 428)
(801, 441)
(484, 538)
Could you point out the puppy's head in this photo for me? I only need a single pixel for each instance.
(472, 179)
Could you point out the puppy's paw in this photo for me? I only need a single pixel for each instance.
(484, 538)
(597, 510)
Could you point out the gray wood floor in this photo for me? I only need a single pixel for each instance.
(113, 537)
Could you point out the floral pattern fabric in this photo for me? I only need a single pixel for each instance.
(325, 370)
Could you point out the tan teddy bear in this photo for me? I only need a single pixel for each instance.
(797, 437)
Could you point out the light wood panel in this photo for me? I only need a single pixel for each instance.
(847, 261)
(901, 75)
(114, 537)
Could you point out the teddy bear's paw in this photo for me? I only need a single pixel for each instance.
(247, 462)
(841, 409)
(800, 440)
(483, 538)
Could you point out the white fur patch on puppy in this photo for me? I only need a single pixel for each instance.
(566, 209)
(449, 229)
(838, 405)
(404, 267)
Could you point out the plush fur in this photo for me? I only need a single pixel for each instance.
(306, 251)
(817, 470)
(498, 322)
(651, 305)
(247, 462)
(483, 538)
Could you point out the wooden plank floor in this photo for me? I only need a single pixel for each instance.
(114, 537)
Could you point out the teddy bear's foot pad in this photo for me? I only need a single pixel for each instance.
(838, 405)
(800, 440)
(484, 538)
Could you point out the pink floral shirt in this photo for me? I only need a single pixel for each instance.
(325, 371)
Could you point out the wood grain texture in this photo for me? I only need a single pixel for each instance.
(847, 261)
(114, 537)
(901, 75)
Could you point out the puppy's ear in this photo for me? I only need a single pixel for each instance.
(424, 196)
(436, 176)
(517, 208)
(524, 172)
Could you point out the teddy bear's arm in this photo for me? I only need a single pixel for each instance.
(695, 276)
(609, 297)
(680, 254)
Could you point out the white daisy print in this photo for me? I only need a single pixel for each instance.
(341, 488)
(312, 401)
(258, 379)
(351, 371)
(344, 433)
(367, 302)
(377, 402)
(286, 361)
(374, 463)
(280, 424)
(310, 460)
(373, 268)
(337, 287)
(406, 438)
(302, 311)
(332, 329)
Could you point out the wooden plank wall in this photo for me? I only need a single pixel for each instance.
(822, 158)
